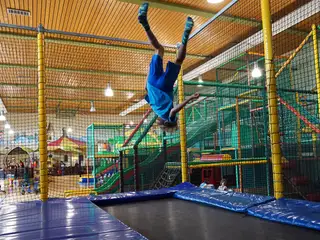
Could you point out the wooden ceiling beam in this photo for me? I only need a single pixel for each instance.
(113, 110)
(67, 99)
(69, 87)
(203, 13)
(93, 44)
(81, 71)
(192, 11)
(116, 47)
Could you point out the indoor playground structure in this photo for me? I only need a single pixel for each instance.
(248, 146)
(104, 142)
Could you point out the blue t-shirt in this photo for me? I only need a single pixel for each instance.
(161, 102)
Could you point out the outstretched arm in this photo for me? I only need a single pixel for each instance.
(178, 108)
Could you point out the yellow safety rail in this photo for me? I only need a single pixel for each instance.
(292, 56)
(234, 105)
(224, 164)
(248, 93)
(82, 192)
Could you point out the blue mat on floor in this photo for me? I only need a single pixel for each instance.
(183, 186)
(290, 211)
(61, 219)
(237, 202)
(119, 198)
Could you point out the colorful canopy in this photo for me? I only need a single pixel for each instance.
(67, 144)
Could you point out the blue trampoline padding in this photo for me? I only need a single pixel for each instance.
(117, 198)
(183, 186)
(290, 211)
(61, 219)
(237, 202)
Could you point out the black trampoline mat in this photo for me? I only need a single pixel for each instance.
(168, 219)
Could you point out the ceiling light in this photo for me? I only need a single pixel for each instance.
(200, 81)
(215, 1)
(2, 116)
(7, 125)
(130, 95)
(69, 130)
(131, 123)
(92, 108)
(11, 132)
(19, 12)
(256, 72)
(108, 92)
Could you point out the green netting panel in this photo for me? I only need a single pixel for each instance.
(223, 137)
(299, 123)
(19, 150)
(255, 179)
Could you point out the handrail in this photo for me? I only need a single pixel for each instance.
(146, 130)
(137, 128)
(125, 148)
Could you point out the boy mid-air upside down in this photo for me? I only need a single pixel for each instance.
(160, 83)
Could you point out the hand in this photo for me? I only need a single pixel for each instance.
(195, 96)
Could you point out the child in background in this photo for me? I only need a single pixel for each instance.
(101, 180)
(15, 183)
(36, 185)
(2, 186)
(223, 185)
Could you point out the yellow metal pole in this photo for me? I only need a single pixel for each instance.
(262, 55)
(42, 118)
(317, 68)
(298, 132)
(225, 164)
(272, 101)
(316, 62)
(248, 93)
(239, 143)
(296, 51)
(183, 131)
